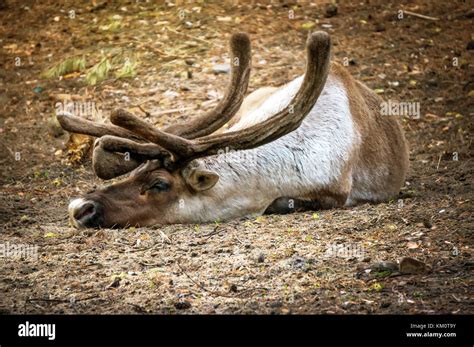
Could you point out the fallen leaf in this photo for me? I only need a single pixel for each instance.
(307, 25)
(50, 234)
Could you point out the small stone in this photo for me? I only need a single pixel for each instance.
(331, 10)
(346, 304)
(411, 266)
(427, 224)
(190, 61)
(182, 305)
(379, 27)
(276, 304)
(25, 219)
(433, 82)
(115, 283)
(221, 69)
(301, 263)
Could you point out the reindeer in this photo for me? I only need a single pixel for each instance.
(317, 142)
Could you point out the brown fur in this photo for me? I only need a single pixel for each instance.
(383, 152)
(383, 145)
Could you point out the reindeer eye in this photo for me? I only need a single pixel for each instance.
(160, 186)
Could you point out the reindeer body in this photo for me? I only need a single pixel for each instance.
(317, 142)
(329, 160)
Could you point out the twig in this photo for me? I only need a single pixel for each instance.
(196, 283)
(32, 301)
(149, 265)
(95, 296)
(59, 301)
(240, 241)
(174, 110)
(165, 238)
(422, 16)
(137, 307)
(248, 290)
(147, 114)
(212, 233)
(439, 161)
(191, 37)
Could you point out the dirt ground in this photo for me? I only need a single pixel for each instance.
(272, 264)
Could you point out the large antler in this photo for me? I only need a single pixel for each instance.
(280, 124)
(240, 61)
(108, 163)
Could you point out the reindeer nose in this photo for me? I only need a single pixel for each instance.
(85, 213)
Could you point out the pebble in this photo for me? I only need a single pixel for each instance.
(379, 27)
(182, 305)
(190, 61)
(331, 10)
(221, 69)
(412, 266)
(427, 224)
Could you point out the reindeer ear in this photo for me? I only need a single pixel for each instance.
(200, 180)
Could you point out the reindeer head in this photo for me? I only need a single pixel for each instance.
(162, 166)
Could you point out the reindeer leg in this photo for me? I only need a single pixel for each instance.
(289, 205)
(323, 199)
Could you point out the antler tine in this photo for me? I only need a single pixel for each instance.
(106, 162)
(287, 120)
(240, 53)
(109, 161)
(179, 146)
(317, 67)
(146, 150)
(109, 165)
(83, 126)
